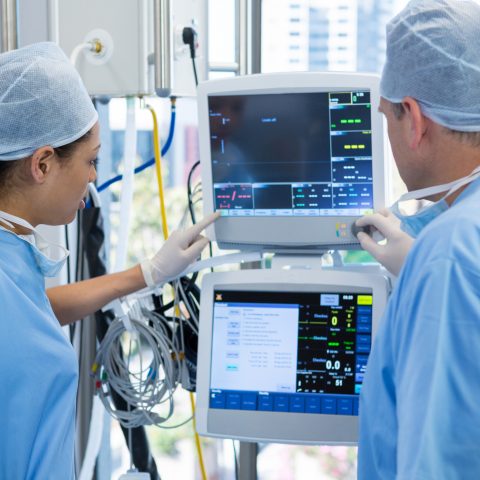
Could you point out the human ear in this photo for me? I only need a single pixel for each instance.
(41, 163)
(416, 121)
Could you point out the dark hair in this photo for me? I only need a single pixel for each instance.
(66, 151)
(9, 167)
(398, 110)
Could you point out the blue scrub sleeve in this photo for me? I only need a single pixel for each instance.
(438, 374)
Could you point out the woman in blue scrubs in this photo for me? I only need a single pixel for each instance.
(49, 141)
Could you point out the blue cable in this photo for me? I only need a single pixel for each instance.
(148, 163)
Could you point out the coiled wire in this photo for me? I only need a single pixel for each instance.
(143, 385)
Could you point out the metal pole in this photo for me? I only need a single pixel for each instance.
(248, 36)
(256, 36)
(248, 461)
(9, 25)
(242, 37)
(163, 47)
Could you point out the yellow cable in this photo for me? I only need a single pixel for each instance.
(163, 210)
(197, 440)
(158, 168)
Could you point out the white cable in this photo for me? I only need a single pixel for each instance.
(95, 196)
(94, 440)
(220, 260)
(76, 52)
(193, 320)
(127, 185)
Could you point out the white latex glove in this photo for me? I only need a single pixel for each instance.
(391, 254)
(181, 249)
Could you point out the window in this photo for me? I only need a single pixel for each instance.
(222, 37)
(360, 26)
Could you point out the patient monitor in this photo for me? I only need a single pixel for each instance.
(282, 354)
(291, 160)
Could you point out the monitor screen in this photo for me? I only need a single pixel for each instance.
(290, 160)
(303, 352)
(283, 353)
(289, 154)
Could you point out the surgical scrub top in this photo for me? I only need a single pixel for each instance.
(38, 373)
(420, 402)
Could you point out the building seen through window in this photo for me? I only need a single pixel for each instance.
(344, 35)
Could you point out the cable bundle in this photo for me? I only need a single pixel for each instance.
(143, 384)
(147, 354)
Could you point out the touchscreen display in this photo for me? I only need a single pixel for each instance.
(303, 352)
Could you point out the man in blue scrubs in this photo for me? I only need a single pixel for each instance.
(420, 403)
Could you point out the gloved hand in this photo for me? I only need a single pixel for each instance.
(181, 249)
(392, 254)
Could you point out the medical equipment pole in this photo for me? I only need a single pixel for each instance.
(247, 41)
(9, 28)
(162, 47)
(256, 36)
(248, 461)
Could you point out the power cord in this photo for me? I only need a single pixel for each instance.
(189, 37)
(191, 192)
(235, 459)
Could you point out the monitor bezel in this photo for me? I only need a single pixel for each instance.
(289, 234)
(278, 427)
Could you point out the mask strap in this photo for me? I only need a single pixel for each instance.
(450, 187)
(9, 220)
(426, 192)
(464, 181)
(6, 222)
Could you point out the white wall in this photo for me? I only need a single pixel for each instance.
(33, 21)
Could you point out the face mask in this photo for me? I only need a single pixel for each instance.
(414, 224)
(49, 257)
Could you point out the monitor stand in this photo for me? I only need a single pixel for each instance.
(247, 462)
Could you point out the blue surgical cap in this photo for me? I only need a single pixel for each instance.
(433, 56)
(42, 101)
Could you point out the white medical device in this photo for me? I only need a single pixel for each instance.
(282, 354)
(292, 159)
